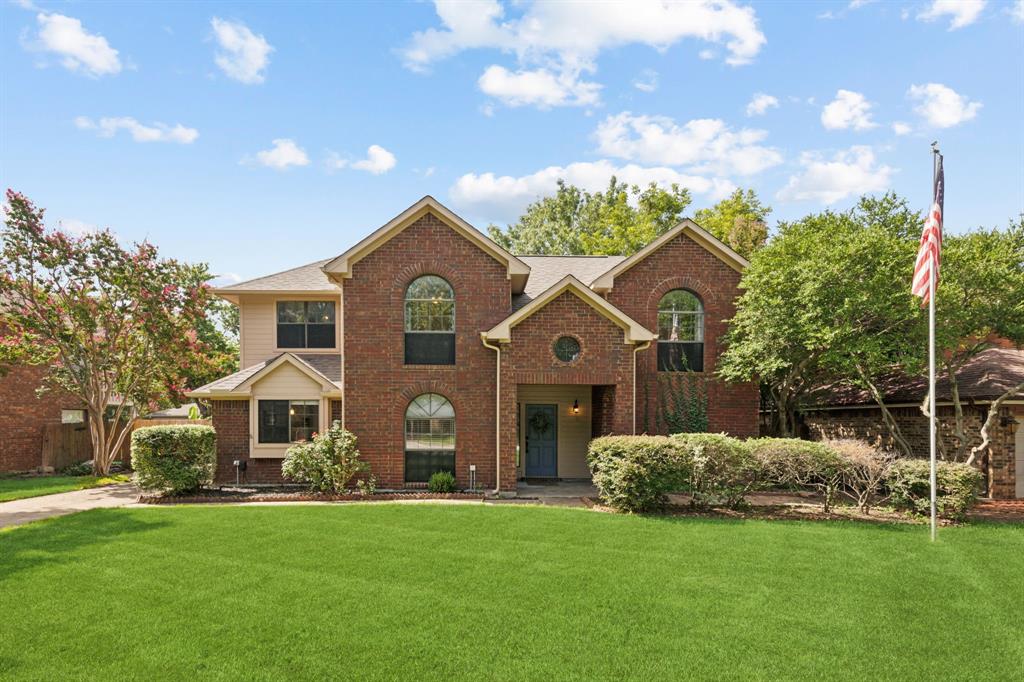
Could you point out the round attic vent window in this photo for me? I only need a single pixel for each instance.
(567, 349)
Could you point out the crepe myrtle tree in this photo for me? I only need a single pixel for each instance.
(116, 326)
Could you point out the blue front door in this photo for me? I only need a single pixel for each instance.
(541, 441)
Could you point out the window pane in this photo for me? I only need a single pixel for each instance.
(679, 300)
(680, 356)
(430, 287)
(319, 336)
(429, 348)
(291, 336)
(72, 416)
(291, 312)
(304, 419)
(320, 312)
(273, 421)
(420, 465)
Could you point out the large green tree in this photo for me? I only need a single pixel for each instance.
(115, 326)
(618, 221)
(739, 220)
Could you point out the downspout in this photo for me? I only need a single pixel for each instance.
(644, 346)
(497, 417)
(341, 318)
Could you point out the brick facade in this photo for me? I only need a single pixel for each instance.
(24, 415)
(684, 264)
(378, 385)
(867, 424)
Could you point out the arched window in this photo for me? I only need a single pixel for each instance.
(429, 322)
(680, 332)
(429, 437)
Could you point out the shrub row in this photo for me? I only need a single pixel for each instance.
(636, 473)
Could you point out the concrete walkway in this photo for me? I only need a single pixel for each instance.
(17, 512)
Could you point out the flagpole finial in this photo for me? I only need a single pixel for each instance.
(935, 147)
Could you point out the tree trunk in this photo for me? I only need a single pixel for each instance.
(962, 441)
(890, 421)
(993, 413)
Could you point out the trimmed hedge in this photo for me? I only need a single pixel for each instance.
(795, 463)
(722, 469)
(636, 473)
(178, 459)
(957, 487)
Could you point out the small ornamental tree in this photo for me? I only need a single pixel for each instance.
(116, 326)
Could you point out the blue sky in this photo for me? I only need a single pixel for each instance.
(261, 136)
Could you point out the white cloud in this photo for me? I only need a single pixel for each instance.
(226, 279)
(647, 81)
(79, 50)
(706, 54)
(243, 54)
(539, 87)
(76, 227)
(760, 104)
(1017, 11)
(283, 155)
(961, 12)
(703, 145)
(848, 110)
(900, 128)
(156, 132)
(502, 198)
(942, 106)
(556, 42)
(849, 173)
(378, 161)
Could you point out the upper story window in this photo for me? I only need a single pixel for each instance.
(680, 332)
(429, 322)
(305, 324)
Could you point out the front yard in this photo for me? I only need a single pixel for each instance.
(503, 592)
(20, 487)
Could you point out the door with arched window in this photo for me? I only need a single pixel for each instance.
(429, 437)
(680, 332)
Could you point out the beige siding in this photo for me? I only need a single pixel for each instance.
(258, 327)
(573, 430)
(284, 383)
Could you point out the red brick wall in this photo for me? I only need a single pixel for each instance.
(379, 386)
(685, 264)
(23, 416)
(602, 400)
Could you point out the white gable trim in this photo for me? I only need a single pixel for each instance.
(326, 385)
(517, 270)
(692, 230)
(633, 331)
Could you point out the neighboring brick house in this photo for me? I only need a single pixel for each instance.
(442, 351)
(25, 414)
(843, 412)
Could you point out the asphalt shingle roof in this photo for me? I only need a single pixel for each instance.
(547, 270)
(327, 365)
(308, 277)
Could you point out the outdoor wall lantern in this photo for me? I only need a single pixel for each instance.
(575, 406)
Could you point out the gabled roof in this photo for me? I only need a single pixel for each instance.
(325, 369)
(606, 281)
(633, 331)
(306, 279)
(518, 271)
(548, 270)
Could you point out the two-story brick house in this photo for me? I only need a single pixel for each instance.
(441, 350)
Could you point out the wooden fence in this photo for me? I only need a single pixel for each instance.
(67, 444)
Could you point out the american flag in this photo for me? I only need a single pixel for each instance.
(930, 252)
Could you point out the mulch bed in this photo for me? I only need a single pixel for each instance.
(241, 495)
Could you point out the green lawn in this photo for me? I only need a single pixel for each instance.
(18, 487)
(503, 593)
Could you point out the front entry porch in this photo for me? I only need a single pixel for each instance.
(554, 425)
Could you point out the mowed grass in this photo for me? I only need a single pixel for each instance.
(19, 487)
(505, 593)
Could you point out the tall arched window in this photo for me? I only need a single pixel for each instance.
(429, 437)
(429, 322)
(680, 332)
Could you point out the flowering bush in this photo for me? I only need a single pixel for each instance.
(328, 463)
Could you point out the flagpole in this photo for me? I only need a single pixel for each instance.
(931, 364)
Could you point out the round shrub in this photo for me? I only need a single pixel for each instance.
(327, 464)
(790, 462)
(636, 473)
(957, 487)
(178, 459)
(723, 469)
(441, 482)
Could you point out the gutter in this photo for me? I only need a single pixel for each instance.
(643, 346)
(497, 417)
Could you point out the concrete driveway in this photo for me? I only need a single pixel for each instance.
(17, 512)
